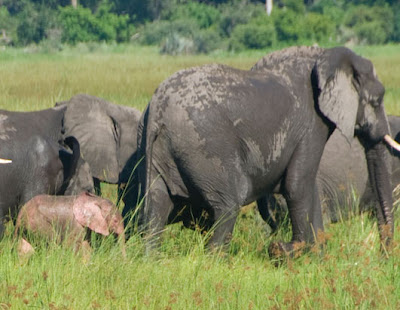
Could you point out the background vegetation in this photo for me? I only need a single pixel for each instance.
(350, 273)
(199, 26)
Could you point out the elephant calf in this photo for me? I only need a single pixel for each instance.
(67, 217)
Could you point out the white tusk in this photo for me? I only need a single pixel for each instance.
(5, 161)
(389, 140)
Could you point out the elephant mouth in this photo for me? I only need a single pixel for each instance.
(5, 161)
(391, 142)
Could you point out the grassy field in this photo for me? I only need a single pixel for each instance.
(350, 273)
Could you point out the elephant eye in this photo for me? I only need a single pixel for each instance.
(375, 103)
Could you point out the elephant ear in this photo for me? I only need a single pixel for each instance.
(98, 134)
(88, 214)
(338, 98)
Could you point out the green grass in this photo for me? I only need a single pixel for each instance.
(350, 273)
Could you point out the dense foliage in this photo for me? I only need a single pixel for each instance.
(199, 26)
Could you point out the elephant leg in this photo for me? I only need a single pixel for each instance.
(272, 210)
(301, 193)
(2, 228)
(305, 215)
(97, 187)
(225, 218)
(157, 209)
(130, 213)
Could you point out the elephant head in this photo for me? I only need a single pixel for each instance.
(349, 96)
(106, 133)
(98, 214)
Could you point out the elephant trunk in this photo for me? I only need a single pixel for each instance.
(378, 161)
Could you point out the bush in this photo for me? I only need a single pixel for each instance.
(204, 15)
(370, 33)
(8, 27)
(176, 44)
(205, 41)
(295, 6)
(155, 33)
(259, 33)
(234, 15)
(396, 25)
(370, 25)
(80, 25)
(319, 28)
(289, 26)
(329, 9)
(34, 21)
(112, 27)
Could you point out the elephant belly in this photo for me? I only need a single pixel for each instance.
(240, 170)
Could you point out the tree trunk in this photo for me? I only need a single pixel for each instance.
(268, 7)
(74, 3)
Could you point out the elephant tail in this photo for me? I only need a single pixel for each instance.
(18, 223)
(71, 165)
(149, 133)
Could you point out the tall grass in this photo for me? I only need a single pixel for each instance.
(349, 273)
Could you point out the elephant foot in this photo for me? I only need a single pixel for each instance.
(25, 249)
(281, 250)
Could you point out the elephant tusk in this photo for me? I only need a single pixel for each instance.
(5, 161)
(389, 140)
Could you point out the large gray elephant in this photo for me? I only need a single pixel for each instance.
(106, 133)
(342, 180)
(217, 138)
(42, 161)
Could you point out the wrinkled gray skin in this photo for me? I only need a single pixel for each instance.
(41, 160)
(68, 217)
(342, 177)
(106, 133)
(217, 138)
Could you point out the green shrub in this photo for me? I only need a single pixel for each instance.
(205, 41)
(289, 26)
(370, 25)
(112, 27)
(257, 34)
(371, 33)
(330, 9)
(237, 14)
(176, 44)
(295, 6)
(81, 25)
(8, 25)
(396, 23)
(319, 28)
(78, 25)
(156, 32)
(202, 41)
(34, 22)
(204, 15)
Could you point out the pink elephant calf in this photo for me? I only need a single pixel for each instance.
(68, 217)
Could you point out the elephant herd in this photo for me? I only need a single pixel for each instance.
(305, 123)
